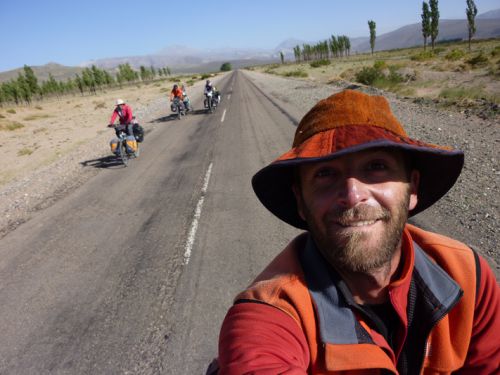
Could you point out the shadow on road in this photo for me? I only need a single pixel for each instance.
(173, 116)
(107, 162)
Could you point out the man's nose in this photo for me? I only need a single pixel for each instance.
(351, 192)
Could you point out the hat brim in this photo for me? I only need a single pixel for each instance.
(439, 169)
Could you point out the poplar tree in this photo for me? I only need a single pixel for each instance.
(79, 83)
(426, 23)
(471, 12)
(296, 52)
(372, 26)
(433, 4)
(31, 80)
(24, 89)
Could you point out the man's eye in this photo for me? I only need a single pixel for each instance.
(377, 166)
(325, 173)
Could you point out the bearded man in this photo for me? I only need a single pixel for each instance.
(362, 291)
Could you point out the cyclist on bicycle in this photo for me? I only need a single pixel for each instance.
(124, 112)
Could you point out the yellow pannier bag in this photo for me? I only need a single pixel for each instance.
(131, 144)
(114, 145)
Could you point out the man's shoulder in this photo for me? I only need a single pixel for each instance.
(451, 255)
(282, 283)
(284, 271)
(427, 239)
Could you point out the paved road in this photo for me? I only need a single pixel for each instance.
(132, 273)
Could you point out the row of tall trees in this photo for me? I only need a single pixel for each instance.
(430, 22)
(334, 47)
(26, 87)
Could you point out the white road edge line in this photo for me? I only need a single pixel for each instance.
(196, 218)
(223, 116)
(229, 97)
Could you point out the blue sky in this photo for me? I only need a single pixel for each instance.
(35, 32)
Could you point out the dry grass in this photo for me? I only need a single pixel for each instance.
(40, 130)
(25, 151)
(99, 105)
(35, 117)
(424, 73)
(10, 125)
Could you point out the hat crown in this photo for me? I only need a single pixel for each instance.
(347, 108)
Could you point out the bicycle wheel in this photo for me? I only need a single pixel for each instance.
(123, 153)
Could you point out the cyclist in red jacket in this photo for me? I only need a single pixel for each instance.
(124, 112)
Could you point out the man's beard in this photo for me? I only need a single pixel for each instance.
(349, 250)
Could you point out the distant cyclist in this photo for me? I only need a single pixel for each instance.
(185, 98)
(176, 93)
(124, 113)
(209, 87)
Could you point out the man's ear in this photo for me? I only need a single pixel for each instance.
(298, 198)
(414, 183)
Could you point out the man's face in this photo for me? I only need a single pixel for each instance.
(356, 206)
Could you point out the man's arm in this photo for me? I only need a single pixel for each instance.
(484, 350)
(113, 117)
(260, 339)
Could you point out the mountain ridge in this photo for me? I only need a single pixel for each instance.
(185, 59)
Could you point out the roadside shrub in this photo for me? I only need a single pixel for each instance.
(205, 76)
(438, 50)
(495, 52)
(226, 67)
(39, 107)
(2, 116)
(24, 151)
(295, 73)
(479, 60)
(12, 111)
(273, 66)
(318, 63)
(455, 54)
(368, 75)
(190, 82)
(379, 64)
(394, 76)
(422, 56)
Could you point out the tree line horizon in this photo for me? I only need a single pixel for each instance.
(340, 46)
(26, 87)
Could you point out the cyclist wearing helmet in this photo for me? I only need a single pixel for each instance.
(209, 87)
(124, 112)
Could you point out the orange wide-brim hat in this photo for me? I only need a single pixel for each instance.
(348, 122)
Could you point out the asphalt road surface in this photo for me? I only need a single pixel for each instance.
(132, 273)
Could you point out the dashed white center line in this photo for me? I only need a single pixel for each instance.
(223, 116)
(196, 218)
